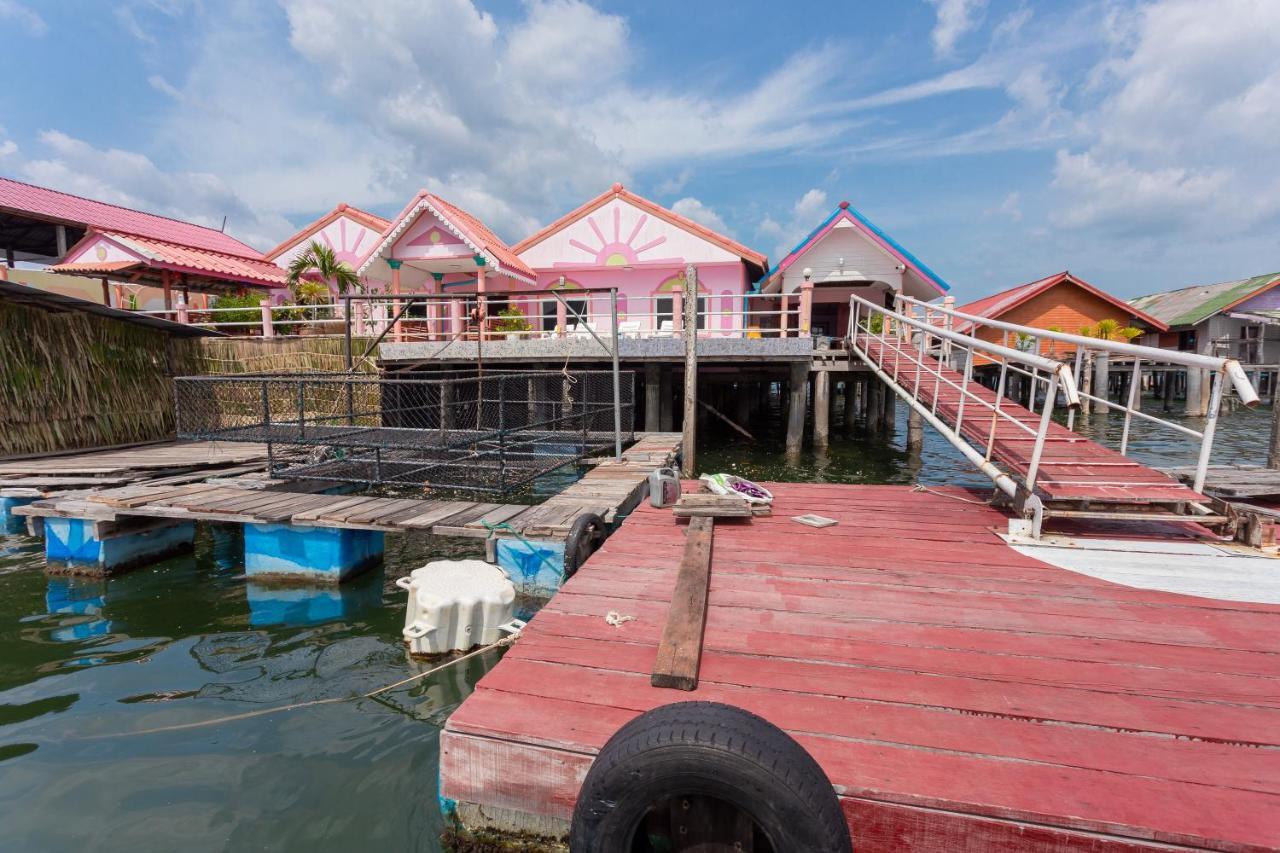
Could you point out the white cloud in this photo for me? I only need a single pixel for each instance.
(675, 183)
(700, 213)
(132, 180)
(1185, 127)
(803, 216)
(8, 148)
(955, 19)
(164, 87)
(23, 16)
(1009, 208)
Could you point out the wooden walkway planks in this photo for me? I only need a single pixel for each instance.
(1072, 467)
(611, 488)
(958, 693)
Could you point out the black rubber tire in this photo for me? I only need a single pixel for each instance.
(714, 750)
(584, 539)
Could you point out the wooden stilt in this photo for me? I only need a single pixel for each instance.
(797, 386)
(652, 397)
(821, 409)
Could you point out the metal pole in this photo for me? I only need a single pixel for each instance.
(1135, 381)
(1042, 433)
(617, 378)
(690, 425)
(1211, 424)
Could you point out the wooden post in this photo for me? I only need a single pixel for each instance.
(821, 409)
(915, 432)
(395, 289)
(652, 396)
(106, 293)
(742, 403)
(268, 330)
(875, 404)
(666, 405)
(690, 425)
(850, 400)
(167, 283)
(797, 385)
(481, 303)
(806, 308)
(890, 401)
(1102, 377)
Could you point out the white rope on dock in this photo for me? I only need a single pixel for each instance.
(505, 641)
(920, 488)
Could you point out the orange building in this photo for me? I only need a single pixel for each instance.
(1060, 302)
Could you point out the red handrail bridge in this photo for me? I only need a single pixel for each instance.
(1041, 466)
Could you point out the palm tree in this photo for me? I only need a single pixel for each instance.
(1107, 328)
(318, 261)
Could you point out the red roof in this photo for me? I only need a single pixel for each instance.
(161, 253)
(472, 229)
(997, 304)
(370, 220)
(653, 208)
(40, 203)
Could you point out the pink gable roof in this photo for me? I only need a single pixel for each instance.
(178, 257)
(470, 227)
(41, 203)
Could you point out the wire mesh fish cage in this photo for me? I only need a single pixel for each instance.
(489, 431)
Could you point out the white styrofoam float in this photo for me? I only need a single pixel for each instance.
(456, 604)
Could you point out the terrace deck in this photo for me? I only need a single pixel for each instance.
(1072, 467)
(959, 695)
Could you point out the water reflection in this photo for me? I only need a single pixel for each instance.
(274, 604)
(83, 599)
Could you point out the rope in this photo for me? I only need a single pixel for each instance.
(919, 488)
(505, 641)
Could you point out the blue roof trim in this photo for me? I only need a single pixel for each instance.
(873, 228)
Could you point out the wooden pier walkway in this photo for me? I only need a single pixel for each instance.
(960, 695)
(1073, 468)
(609, 489)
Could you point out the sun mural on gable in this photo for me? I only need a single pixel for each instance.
(617, 252)
(347, 246)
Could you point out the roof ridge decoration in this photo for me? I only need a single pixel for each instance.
(652, 207)
(877, 235)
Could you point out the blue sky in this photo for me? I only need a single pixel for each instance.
(1134, 143)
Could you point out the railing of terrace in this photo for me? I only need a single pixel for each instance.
(566, 313)
(1223, 372)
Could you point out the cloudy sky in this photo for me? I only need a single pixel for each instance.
(1135, 143)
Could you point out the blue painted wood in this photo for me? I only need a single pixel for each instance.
(80, 600)
(535, 566)
(74, 541)
(10, 523)
(276, 604)
(309, 553)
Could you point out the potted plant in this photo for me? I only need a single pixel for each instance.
(511, 322)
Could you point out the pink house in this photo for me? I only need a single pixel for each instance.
(620, 239)
(350, 232)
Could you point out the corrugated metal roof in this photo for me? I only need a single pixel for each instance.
(1188, 306)
(997, 304)
(224, 266)
(42, 203)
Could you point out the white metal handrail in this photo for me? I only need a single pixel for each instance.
(920, 346)
(1222, 371)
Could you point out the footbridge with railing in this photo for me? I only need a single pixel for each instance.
(1035, 458)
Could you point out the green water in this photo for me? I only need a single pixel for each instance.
(86, 667)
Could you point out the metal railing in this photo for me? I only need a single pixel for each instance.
(913, 353)
(1222, 371)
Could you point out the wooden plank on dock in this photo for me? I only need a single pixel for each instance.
(680, 650)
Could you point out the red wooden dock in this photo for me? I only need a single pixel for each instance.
(958, 694)
(1072, 467)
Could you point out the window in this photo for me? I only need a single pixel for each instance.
(664, 307)
(1187, 340)
(575, 312)
(548, 323)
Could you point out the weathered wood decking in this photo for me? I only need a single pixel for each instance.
(1072, 467)
(609, 489)
(960, 695)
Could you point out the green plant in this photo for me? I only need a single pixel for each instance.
(512, 319)
(247, 301)
(1131, 332)
(874, 323)
(1087, 332)
(1107, 328)
(318, 261)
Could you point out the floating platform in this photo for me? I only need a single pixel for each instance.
(960, 694)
